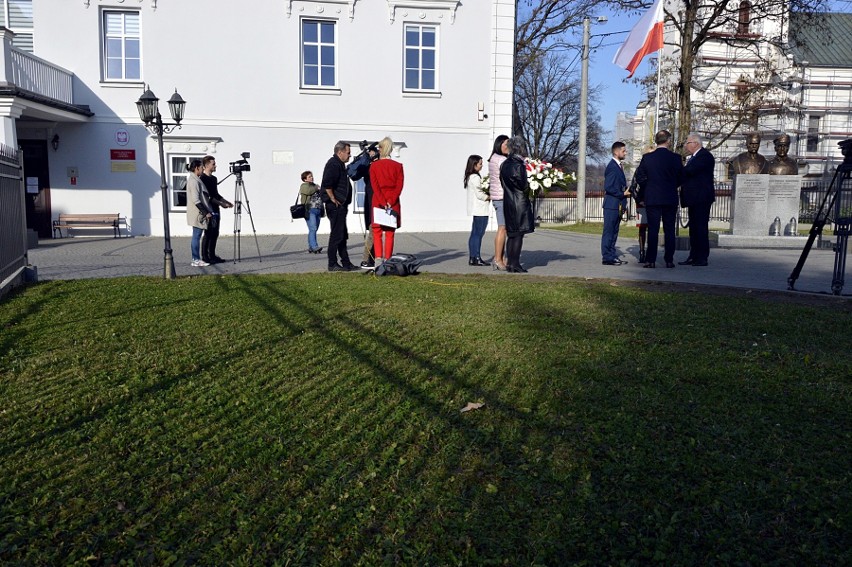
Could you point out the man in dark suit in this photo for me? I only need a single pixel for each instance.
(697, 194)
(615, 198)
(659, 173)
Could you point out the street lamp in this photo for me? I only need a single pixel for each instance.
(149, 112)
(584, 113)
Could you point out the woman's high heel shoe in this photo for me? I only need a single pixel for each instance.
(496, 266)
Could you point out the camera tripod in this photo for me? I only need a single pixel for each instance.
(836, 206)
(239, 195)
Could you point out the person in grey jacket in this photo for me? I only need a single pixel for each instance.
(199, 211)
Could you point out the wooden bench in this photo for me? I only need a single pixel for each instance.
(69, 221)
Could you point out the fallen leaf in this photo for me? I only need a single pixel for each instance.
(472, 406)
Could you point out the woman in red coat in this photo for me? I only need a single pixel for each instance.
(387, 177)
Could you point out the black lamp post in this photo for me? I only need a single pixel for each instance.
(149, 112)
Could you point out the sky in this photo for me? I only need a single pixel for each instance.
(618, 94)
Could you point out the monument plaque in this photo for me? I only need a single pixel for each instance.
(758, 200)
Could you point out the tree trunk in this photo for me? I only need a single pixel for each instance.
(684, 87)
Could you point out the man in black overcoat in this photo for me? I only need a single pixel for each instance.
(660, 174)
(697, 194)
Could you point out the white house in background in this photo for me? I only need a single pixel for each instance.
(281, 79)
(811, 94)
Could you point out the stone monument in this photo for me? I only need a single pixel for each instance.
(765, 206)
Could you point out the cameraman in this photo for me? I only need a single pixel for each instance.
(360, 169)
(211, 233)
(338, 195)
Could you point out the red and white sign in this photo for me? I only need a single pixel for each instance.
(122, 155)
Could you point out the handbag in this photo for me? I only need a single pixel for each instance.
(297, 211)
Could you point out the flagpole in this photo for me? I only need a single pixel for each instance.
(657, 97)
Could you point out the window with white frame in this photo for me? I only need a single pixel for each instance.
(319, 53)
(179, 176)
(122, 53)
(421, 58)
(17, 15)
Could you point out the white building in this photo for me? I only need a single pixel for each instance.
(282, 79)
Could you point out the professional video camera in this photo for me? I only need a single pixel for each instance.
(241, 165)
(358, 167)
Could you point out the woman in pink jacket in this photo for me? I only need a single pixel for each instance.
(387, 178)
(495, 191)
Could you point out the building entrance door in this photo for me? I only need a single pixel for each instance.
(37, 186)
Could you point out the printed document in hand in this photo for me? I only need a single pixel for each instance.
(384, 218)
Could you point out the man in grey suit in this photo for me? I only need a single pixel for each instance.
(697, 194)
(659, 175)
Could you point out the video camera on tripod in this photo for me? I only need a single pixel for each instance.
(240, 198)
(241, 165)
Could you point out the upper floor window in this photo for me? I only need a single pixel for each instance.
(319, 53)
(744, 17)
(421, 58)
(122, 55)
(17, 15)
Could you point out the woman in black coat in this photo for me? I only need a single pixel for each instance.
(516, 204)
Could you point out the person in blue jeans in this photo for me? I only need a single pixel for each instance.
(311, 198)
(199, 211)
(478, 206)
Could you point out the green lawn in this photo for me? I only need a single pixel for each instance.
(315, 419)
(626, 230)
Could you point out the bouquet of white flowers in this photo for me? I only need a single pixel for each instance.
(543, 177)
(484, 186)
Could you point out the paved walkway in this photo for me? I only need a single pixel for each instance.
(546, 253)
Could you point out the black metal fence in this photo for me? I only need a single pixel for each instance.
(13, 236)
(561, 207)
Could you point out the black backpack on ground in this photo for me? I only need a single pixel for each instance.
(399, 265)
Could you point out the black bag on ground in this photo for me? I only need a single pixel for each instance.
(399, 265)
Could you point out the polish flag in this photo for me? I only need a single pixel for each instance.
(646, 37)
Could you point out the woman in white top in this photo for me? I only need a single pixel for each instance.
(495, 191)
(477, 206)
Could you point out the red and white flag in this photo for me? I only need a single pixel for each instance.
(646, 37)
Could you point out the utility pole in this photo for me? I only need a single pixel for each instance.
(584, 118)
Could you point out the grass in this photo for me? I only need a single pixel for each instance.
(315, 419)
(629, 230)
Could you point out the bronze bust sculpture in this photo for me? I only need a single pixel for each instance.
(750, 161)
(781, 164)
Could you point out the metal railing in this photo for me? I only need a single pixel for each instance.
(38, 76)
(13, 238)
(561, 207)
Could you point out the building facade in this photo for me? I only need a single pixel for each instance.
(281, 79)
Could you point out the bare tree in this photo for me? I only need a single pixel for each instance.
(726, 22)
(547, 95)
(548, 98)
